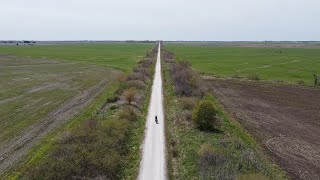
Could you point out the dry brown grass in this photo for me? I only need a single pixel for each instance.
(130, 95)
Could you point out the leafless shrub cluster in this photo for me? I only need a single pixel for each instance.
(185, 81)
(143, 71)
(130, 95)
(122, 77)
(167, 56)
(138, 76)
(138, 84)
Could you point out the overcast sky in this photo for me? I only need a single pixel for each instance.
(218, 20)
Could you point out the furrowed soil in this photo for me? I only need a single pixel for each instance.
(38, 95)
(285, 119)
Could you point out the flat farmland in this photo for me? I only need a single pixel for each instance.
(284, 119)
(31, 88)
(117, 55)
(269, 63)
(41, 87)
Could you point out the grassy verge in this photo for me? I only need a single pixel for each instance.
(227, 153)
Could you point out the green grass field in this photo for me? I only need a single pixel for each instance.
(37, 80)
(119, 55)
(33, 88)
(287, 64)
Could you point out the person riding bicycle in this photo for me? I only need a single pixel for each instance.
(156, 119)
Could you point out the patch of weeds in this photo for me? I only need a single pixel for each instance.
(254, 77)
(128, 114)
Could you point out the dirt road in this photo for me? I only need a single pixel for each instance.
(153, 161)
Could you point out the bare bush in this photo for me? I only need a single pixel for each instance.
(167, 56)
(136, 84)
(137, 76)
(144, 70)
(146, 63)
(130, 95)
(184, 79)
(122, 77)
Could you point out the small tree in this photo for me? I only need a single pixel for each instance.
(205, 116)
(130, 95)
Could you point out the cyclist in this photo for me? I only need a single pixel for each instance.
(156, 119)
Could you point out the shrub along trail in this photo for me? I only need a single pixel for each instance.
(153, 157)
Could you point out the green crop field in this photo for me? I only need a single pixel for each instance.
(119, 55)
(38, 81)
(287, 64)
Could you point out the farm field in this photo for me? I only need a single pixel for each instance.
(234, 153)
(284, 119)
(118, 55)
(41, 87)
(31, 88)
(275, 63)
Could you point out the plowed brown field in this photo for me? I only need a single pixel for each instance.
(285, 119)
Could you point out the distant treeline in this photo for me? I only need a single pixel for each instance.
(84, 41)
(26, 42)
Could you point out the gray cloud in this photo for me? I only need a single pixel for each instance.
(160, 19)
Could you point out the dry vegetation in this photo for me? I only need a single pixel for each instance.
(185, 80)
